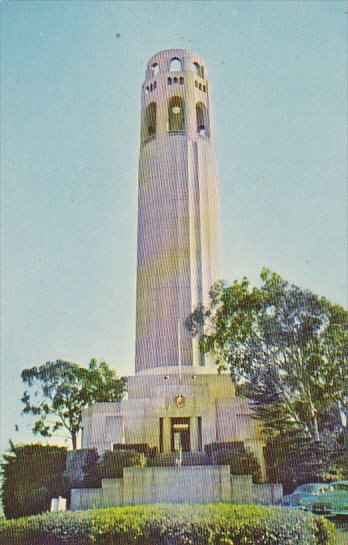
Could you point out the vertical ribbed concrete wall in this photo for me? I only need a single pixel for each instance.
(178, 234)
(206, 484)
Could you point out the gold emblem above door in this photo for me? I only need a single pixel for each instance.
(180, 400)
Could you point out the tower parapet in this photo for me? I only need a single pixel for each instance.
(175, 96)
(178, 234)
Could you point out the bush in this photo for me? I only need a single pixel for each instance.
(295, 459)
(235, 454)
(143, 448)
(220, 524)
(111, 464)
(82, 468)
(86, 469)
(32, 476)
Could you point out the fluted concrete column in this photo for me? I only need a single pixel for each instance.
(194, 433)
(166, 434)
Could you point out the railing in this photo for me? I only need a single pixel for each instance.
(150, 138)
(203, 136)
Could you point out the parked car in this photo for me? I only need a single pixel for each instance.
(305, 495)
(334, 501)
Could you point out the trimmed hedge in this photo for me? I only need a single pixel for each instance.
(237, 456)
(86, 469)
(142, 448)
(82, 468)
(31, 476)
(220, 524)
(111, 464)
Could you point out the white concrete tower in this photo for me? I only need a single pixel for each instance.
(175, 402)
(179, 254)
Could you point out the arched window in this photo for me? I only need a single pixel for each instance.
(175, 80)
(175, 65)
(154, 69)
(169, 81)
(181, 81)
(198, 70)
(202, 119)
(176, 114)
(150, 120)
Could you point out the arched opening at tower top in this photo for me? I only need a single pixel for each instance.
(175, 65)
(202, 119)
(176, 114)
(198, 69)
(150, 120)
(154, 69)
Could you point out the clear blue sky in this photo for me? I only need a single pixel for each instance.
(70, 131)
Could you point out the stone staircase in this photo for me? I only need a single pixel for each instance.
(188, 459)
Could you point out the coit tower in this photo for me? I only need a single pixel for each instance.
(179, 254)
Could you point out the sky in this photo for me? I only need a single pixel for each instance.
(71, 73)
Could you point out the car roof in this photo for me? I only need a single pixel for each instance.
(313, 485)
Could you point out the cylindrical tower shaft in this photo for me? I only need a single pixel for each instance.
(178, 236)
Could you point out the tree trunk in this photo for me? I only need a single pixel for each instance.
(74, 439)
(315, 427)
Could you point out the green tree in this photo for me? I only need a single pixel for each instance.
(31, 476)
(295, 458)
(286, 349)
(61, 390)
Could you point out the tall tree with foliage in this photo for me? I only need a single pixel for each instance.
(61, 390)
(285, 347)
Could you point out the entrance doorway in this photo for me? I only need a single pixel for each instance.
(180, 434)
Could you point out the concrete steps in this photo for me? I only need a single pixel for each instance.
(188, 459)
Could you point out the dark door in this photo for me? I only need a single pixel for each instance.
(181, 434)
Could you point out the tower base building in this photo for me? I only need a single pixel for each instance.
(187, 412)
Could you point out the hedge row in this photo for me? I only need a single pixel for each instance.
(219, 524)
(31, 476)
(86, 469)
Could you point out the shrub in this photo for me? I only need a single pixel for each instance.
(220, 524)
(235, 454)
(111, 464)
(295, 459)
(143, 448)
(82, 468)
(32, 475)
